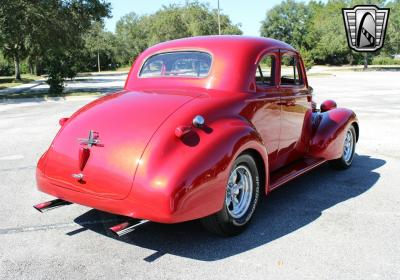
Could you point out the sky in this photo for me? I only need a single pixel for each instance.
(247, 12)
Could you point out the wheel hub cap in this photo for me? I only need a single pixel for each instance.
(348, 146)
(239, 191)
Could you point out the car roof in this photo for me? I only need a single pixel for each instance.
(214, 41)
(234, 60)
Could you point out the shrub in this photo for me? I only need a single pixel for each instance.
(56, 83)
(385, 60)
(60, 66)
(6, 67)
(57, 74)
(24, 68)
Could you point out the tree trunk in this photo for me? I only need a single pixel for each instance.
(365, 61)
(38, 68)
(98, 61)
(17, 70)
(30, 66)
(351, 59)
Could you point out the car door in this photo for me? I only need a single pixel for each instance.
(267, 111)
(295, 101)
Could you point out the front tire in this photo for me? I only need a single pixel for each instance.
(349, 147)
(241, 198)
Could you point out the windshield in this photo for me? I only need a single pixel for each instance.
(177, 64)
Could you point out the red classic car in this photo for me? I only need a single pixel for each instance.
(203, 127)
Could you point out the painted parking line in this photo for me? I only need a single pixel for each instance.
(12, 157)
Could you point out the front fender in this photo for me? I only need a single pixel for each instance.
(184, 179)
(328, 132)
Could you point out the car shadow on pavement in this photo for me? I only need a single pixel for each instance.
(286, 210)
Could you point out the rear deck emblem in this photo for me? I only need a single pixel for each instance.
(92, 140)
(84, 152)
(365, 27)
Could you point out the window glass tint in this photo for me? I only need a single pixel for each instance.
(266, 71)
(177, 64)
(290, 70)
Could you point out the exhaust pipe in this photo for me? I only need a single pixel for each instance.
(126, 227)
(49, 205)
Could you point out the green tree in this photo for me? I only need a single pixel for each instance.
(392, 42)
(100, 43)
(58, 42)
(317, 30)
(287, 22)
(326, 35)
(49, 33)
(6, 68)
(135, 33)
(167, 24)
(14, 28)
(132, 37)
(227, 27)
(201, 20)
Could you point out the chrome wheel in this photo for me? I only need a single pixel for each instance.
(348, 146)
(241, 198)
(239, 192)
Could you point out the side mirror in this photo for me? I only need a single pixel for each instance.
(328, 105)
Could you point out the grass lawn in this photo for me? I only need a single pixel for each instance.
(9, 81)
(319, 74)
(124, 68)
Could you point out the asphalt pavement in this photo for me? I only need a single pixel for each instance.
(103, 82)
(325, 225)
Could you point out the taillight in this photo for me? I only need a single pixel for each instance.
(62, 121)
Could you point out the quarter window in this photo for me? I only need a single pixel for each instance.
(290, 70)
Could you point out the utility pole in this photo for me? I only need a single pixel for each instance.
(98, 61)
(219, 20)
(365, 61)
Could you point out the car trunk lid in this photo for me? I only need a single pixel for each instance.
(122, 124)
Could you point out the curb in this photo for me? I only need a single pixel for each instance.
(20, 88)
(5, 101)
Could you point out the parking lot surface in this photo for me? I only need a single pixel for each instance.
(325, 225)
(94, 82)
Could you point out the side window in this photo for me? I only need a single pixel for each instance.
(290, 70)
(265, 74)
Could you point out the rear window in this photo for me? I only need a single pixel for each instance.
(177, 64)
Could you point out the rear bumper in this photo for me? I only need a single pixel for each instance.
(126, 207)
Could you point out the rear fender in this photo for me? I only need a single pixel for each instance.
(328, 132)
(182, 179)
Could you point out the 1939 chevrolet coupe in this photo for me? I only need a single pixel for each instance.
(203, 126)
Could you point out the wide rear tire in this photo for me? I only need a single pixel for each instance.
(241, 199)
